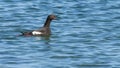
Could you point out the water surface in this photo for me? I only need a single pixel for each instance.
(85, 34)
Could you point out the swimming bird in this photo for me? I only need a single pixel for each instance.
(44, 31)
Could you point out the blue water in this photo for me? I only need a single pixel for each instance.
(86, 34)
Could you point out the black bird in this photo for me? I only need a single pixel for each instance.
(44, 31)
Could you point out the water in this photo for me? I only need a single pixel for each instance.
(86, 34)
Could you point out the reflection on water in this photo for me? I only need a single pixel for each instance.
(45, 38)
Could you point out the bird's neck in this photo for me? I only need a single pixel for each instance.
(47, 22)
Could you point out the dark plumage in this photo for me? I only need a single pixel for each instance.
(44, 31)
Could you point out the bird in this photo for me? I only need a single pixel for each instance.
(43, 31)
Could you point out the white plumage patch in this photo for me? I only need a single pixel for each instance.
(36, 33)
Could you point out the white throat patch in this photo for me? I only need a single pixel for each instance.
(36, 33)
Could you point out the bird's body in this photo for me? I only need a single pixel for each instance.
(44, 31)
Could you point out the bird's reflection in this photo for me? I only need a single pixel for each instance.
(46, 39)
